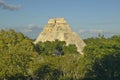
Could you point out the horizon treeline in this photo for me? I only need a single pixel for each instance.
(20, 59)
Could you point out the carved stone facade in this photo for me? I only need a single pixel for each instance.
(59, 29)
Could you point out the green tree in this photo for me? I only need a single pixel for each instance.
(101, 55)
(55, 47)
(17, 54)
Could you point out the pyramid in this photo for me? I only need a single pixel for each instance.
(59, 29)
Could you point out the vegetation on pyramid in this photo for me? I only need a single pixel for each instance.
(55, 48)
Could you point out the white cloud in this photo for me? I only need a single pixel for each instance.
(91, 31)
(96, 31)
(31, 30)
(6, 6)
(87, 33)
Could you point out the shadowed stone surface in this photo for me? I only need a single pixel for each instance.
(59, 29)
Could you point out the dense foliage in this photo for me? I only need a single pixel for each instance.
(55, 48)
(104, 57)
(20, 59)
(16, 55)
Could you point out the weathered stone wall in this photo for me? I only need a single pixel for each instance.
(59, 29)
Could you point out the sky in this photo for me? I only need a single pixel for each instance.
(88, 18)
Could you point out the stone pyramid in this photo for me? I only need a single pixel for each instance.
(59, 29)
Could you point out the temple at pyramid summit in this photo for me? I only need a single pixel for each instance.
(58, 28)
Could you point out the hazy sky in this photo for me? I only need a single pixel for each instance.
(86, 17)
